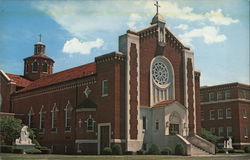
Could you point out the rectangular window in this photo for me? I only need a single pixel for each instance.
(212, 115)
(221, 132)
(228, 113)
(229, 131)
(227, 94)
(219, 96)
(105, 88)
(245, 133)
(202, 98)
(220, 114)
(244, 112)
(202, 115)
(211, 96)
(157, 125)
(144, 122)
(212, 130)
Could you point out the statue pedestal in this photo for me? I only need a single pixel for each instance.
(25, 146)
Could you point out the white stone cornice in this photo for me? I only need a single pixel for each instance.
(225, 101)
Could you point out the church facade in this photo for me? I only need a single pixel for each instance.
(145, 93)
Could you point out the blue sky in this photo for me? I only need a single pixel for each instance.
(75, 32)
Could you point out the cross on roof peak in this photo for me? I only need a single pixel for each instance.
(40, 37)
(157, 7)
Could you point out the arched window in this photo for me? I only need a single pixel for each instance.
(54, 118)
(35, 67)
(90, 124)
(45, 67)
(31, 115)
(161, 80)
(68, 109)
(42, 118)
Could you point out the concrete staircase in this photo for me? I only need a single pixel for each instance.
(195, 151)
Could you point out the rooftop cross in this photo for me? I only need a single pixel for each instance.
(40, 37)
(157, 7)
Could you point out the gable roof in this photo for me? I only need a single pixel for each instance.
(19, 80)
(164, 103)
(66, 75)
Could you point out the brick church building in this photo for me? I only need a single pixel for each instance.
(145, 93)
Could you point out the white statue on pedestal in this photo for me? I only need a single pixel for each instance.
(24, 136)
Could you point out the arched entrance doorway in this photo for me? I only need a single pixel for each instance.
(175, 122)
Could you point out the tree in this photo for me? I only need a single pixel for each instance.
(10, 128)
(209, 136)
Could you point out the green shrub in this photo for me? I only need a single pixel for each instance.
(128, 153)
(231, 151)
(140, 152)
(166, 151)
(18, 150)
(116, 149)
(107, 151)
(37, 144)
(179, 149)
(46, 151)
(239, 151)
(247, 149)
(6, 149)
(154, 149)
(209, 136)
(32, 151)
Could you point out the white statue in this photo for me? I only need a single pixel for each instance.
(229, 143)
(24, 136)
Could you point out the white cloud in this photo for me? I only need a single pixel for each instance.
(218, 18)
(75, 46)
(210, 34)
(134, 19)
(182, 27)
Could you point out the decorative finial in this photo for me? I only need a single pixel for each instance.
(40, 38)
(157, 7)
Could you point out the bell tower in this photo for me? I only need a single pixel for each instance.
(38, 65)
(160, 22)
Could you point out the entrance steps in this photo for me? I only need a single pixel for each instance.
(195, 151)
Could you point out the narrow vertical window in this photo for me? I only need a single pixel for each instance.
(54, 118)
(156, 125)
(244, 112)
(229, 131)
(221, 132)
(220, 114)
(105, 88)
(228, 113)
(90, 124)
(42, 118)
(212, 115)
(34, 67)
(227, 94)
(211, 96)
(68, 110)
(212, 130)
(144, 123)
(245, 133)
(45, 67)
(31, 115)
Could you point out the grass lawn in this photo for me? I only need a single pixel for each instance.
(5, 156)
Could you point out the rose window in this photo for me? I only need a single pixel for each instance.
(160, 74)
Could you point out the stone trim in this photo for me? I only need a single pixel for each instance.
(85, 109)
(225, 101)
(86, 141)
